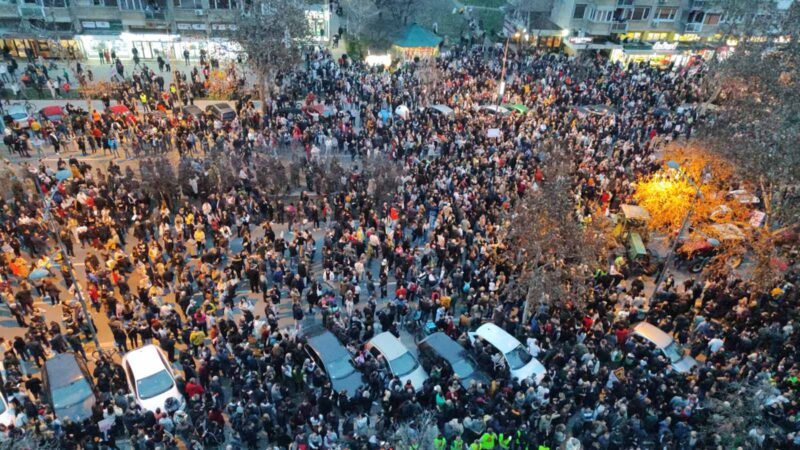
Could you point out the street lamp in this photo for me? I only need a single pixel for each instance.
(697, 195)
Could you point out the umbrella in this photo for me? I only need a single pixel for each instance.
(63, 174)
(520, 108)
(402, 111)
(38, 274)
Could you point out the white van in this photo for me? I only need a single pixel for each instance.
(680, 361)
(520, 363)
(150, 378)
(401, 362)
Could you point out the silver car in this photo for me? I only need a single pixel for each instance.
(680, 361)
(402, 363)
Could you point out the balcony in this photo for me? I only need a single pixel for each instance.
(619, 27)
(31, 10)
(8, 11)
(693, 27)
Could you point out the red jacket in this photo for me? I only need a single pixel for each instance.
(194, 389)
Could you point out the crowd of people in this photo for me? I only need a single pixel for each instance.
(186, 269)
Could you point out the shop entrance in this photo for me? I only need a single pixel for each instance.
(154, 49)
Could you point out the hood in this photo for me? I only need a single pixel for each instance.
(685, 364)
(350, 383)
(417, 377)
(78, 412)
(478, 376)
(534, 369)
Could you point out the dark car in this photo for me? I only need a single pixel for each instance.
(221, 111)
(68, 387)
(191, 111)
(334, 359)
(439, 349)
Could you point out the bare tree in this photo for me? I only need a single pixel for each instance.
(400, 11)
(382, 177)
(359, 15)
(756, 126)
(553, 252)
(272, 34)
(735, 409)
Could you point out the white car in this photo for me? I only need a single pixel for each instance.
(520, 363)
(7, 417)
(680, 361)
(401, 362)
(150, 378)
(20, 115)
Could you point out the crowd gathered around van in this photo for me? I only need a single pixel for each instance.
(333, 315)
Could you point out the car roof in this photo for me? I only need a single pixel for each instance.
(144, 361)
(194, 108)
(445, 346)
(444, 109)
(53, 109)
(62, 370)
(498, 337)
(327, 346)
(389, 345)
(653, 334)
(17, 108)
(223, 106)
(119, 108)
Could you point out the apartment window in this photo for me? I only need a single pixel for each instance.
(640, 13)
(134, 5)
(602, 15)
(188, 4)
(695, 17)
(713, 18)
(666, 13)
(580, 11)
(625, 2)
(222, 4)
(55, 3)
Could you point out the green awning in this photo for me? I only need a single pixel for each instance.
(517, 107)
(416, 36)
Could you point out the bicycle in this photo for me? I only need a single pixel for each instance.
(105, 355)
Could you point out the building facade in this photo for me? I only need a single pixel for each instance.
(659, 31)
(86, 28)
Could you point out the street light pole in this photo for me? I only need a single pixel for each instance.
(502, 85)
(54, 228)
(697, 194)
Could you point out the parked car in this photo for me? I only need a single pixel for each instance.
(221, 111)
(444, 110)
(53, 113)
(520, 363)
(191, 112)
(124, 112)
(677, 356)
(439, 349)
(742, 196)
(19, 114)
(68, 387)
(6, 416)
(492, 109)
(150, 378)
(330, 355)
(400, 360)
